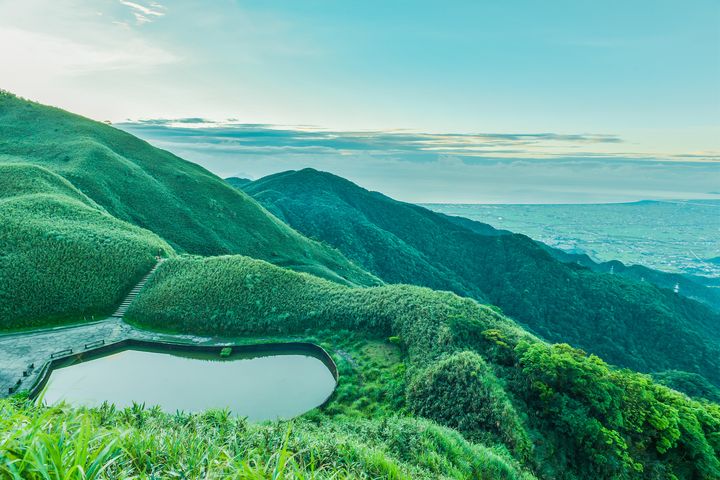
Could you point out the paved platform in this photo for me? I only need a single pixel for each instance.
(19, 350)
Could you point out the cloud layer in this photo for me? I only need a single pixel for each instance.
(443, 167)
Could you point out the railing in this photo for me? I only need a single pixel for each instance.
(61, 353)
(95, 344)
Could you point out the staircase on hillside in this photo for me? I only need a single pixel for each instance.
(120, 312)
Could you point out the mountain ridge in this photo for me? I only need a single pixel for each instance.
(188, 206)
(602, 313)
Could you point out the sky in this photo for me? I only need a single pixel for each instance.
(457, 101)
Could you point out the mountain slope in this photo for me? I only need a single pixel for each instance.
(192, 209)
(238, 182)
(630, 324)
(688, 285)
(62, 257)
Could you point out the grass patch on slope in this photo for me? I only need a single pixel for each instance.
(560, 412)
(62, 257)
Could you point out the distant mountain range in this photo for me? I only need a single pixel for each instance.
(559, 296)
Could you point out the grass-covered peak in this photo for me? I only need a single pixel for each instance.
(62, 257)
(192, 209)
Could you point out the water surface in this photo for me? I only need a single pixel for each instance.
(259, 386)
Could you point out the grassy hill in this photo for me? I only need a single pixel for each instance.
(189, 207)
(555, 410)
(631, 324)
(62, 257)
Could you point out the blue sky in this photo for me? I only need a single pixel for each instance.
(635, 83)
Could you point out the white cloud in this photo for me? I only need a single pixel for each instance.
(27, 52)
(142, 13)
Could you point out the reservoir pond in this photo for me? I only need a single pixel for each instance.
(260, 386)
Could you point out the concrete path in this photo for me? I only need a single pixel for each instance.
(19, 351)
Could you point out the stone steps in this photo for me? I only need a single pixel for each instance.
(123, 307)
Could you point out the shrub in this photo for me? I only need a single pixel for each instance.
(461, 391)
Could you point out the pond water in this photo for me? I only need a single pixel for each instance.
(261, 387)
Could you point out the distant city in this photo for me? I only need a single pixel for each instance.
(680, 236)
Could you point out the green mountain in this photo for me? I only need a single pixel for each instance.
(238, 182)
(690, 286)
(189, 207)
(557, 411)
(689, 383)
(62, 256)
(631, 324)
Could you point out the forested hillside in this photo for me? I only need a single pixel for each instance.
(628, 323)
(558, 411)
(189, 207)
(688, 285)
(62, 257)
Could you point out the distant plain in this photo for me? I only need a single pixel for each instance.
(680, 236)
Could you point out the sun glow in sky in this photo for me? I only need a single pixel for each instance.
(416, 88)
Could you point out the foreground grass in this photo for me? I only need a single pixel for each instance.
(105, 443)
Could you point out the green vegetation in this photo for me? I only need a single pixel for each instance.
(189, 207)
(62, 257)
(560, 412)
(690, 286)
(462, 391)
(238, 182)
(105, 443)
(690, 384)
(631, 324)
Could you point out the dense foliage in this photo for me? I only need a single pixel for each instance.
(689, 383)
(62, 257)
(568, 415)
(461, 391)
(39, 443)
(189, 207)
(632, 324)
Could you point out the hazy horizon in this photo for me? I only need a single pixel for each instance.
(440, 168)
